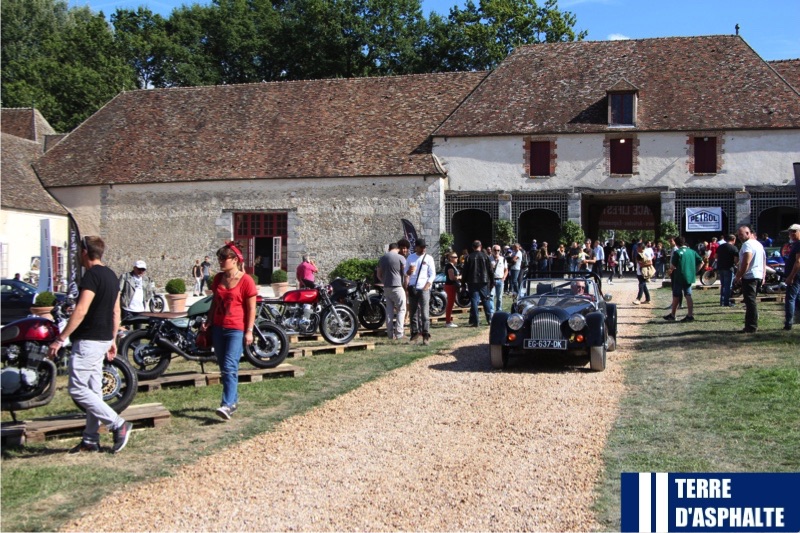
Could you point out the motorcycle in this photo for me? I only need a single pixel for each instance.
(709, 276)
(369, 308)
(438, 303)
(157, 303)
(149, 347)
(303, 311)
(28, 376)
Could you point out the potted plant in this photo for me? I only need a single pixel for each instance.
(43, 304)
(176, 295)
(280, 282)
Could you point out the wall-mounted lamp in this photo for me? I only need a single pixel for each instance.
(705, 138)
(622, 141)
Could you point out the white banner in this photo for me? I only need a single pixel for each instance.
(45, 258)
(703, 219)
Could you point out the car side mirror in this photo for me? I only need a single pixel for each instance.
(607, 297)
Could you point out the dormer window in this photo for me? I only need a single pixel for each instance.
(622, 109)
(622, 102)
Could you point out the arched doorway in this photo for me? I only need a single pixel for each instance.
(539, 224)
(774, 220)
(471, 224)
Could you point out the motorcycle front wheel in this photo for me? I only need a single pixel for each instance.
(119, 384)
(462, 298)
(157, 304)
(338, 324)
(709, 277)
(270, 346)
(372, 314)
(438, 303)
(148, 360)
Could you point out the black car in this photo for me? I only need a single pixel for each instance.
(17, 299)
(565, 313)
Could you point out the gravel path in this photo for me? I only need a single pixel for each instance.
(444, 444)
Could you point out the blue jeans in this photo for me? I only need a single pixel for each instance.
(792, 301)
(479, 293)
(498, 294)
(726, 280)
(643, 290)
(228, 347)
(513, 275)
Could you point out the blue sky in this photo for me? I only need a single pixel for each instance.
(770, 27)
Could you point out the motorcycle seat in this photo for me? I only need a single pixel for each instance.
(166, 315)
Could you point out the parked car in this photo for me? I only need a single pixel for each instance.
(17, 299)
(566, 313)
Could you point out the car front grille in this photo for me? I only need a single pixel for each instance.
(546, 326)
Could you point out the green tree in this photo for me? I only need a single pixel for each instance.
(480, 37)
(504, 232)
(571, 232)
(142, 41)
(60, 60)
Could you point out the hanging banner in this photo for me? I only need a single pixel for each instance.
(45, 257)
(73, 259)
(409, 232)
(703, 219)
(627, 217)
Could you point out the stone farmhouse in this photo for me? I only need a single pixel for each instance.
(25, 202)
(611, 135)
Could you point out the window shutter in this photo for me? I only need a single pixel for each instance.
(621, 156)
(705, 155)
(540, 158)
(276, 253)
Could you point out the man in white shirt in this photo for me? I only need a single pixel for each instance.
(500, 269)
(515, 264)
(421, 271)
(751, 273)
(135, 290)
(599, 259)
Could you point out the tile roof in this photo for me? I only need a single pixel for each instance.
(27, 123)
(21, 189)
(320, 128)
(684, 83)
(789, 69)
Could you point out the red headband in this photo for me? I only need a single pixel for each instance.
(232, 247)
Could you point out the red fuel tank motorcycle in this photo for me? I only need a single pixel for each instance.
(303, 311)
(28, 377)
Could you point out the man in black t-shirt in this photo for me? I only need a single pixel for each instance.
(727, 256)
(93, 327)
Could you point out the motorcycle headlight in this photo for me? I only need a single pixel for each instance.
(515, 321)
(577, 322)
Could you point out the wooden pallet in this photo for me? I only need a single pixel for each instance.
(179, 379)
(294, 338)
(771, 298)
(258, 374)
(37, 431)
(331, 349)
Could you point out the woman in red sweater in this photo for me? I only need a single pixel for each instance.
(232, 314)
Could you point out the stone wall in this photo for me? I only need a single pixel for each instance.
(171, 225)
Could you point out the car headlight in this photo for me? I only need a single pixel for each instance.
(524, 306)
(577, 322)
(515, 321)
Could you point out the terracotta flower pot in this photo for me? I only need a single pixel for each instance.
(44, 312)
(280, 288)
(177, 302)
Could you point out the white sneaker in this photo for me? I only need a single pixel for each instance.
(451, 325)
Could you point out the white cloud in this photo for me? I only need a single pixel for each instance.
(618, 37)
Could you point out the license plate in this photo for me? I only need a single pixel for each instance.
(536, 344)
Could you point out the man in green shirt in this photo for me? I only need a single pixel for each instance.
(685, 264)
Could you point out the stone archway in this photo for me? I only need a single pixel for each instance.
(539, 224)
(469, 225)
(774, 220)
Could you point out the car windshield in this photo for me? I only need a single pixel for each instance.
(558, 288)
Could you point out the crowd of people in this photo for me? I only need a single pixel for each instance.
(407, 279)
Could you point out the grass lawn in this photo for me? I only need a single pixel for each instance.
(43, 486)
(702, 397)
